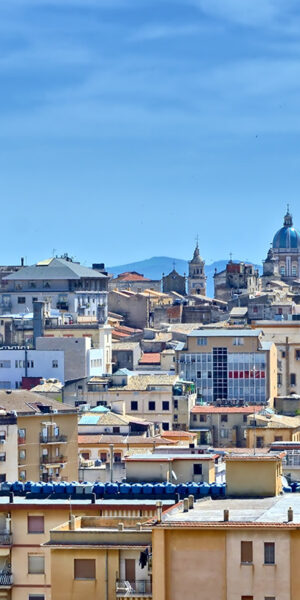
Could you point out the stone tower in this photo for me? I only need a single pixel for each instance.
(197, 278)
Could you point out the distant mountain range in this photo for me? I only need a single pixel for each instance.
(157, 265)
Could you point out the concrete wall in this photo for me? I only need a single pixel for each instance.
(176, 471)
(39, 364)
(252, 478)
(135, 309)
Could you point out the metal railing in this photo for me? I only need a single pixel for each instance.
(50, 439)
(130, 589)
(5, 538)
(6, 578)
(48, 460)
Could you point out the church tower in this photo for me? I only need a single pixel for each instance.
(197, 278)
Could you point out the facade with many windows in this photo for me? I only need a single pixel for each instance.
(229, 365)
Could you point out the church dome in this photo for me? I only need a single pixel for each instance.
(287, 237)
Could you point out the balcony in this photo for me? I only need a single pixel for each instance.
(5, 538)
(52, 439)
(49, 460)
(133, 589)
(6, 578)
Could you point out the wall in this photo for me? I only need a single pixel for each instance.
(253, 477)
(9, 467)
(269, 434)
(135, 309)
(11, 377)
(176, 471)
(75, 354)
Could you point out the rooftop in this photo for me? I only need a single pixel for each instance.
(169, 457)
(55, 268)
(251, 512)
(143, 382)
(150, 358)
(29, 403)
(131, 440)
(226, 409)
(225, 333)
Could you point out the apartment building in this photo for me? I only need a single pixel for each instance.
(47, 446)
(285, 335)
(234, 365)
(8, 446)
(64, 284)
(103, 558)
(221, 426)
(166, 400)
(264, 429)
(25, 525)
(175, 468)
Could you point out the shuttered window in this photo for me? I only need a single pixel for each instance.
(84, 568)
(246, 552)
(35, 524)
(36, 564)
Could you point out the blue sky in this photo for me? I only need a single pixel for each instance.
(129, 126)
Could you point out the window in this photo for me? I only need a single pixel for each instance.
(116, 429)
(176, 404)
(197, 469)
(224, 433)
(282, 271)
(278, 438)
(85, 455)
(103, 456)
(246, 597)
(21, 299)
(224, 418)
(293, 378)
(279, 379)
(246, 552)
(238, 341)
(2, 435)
(22, 475)
(260, 441)
(2, 456)
(202, 341)
(5, 364)
(134, 405)
(166, 426)
(269, 553)
(36, 564)
(35, 524)
(203, 418)
(297, 354)
(117, 457)
(36, 597)
(165, 405)
(270, 598)
(282, 353)
(194, 418)
(198, 374)
(84, 568)
(22, 436)
(244, 418)
(151, 405)
(2, 477)
(55, 364)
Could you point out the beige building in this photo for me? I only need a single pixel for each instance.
(47, 437)
(285, 335)
(254, 475)
(226, 364)
(100, 558)
(175, 468)
(221, 426)
(166, 400)
(263, 430)
(8, 446)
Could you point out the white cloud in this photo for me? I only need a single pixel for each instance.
(160, 31)
(245, 12)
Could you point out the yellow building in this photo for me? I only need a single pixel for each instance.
(254, 475)
(47, 446)
(100, 558)
(228, 550)
(229, 364)
(263, 430)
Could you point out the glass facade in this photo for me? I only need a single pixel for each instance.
(222, 375)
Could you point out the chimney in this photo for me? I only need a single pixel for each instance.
(186, 505)
(158, 511)
(38, 320)
(72, 526)
(226, 514)
(22, 261)
(139, 526)
(121, 526)
(290, 515)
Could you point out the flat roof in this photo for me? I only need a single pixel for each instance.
(225, 333)
(169, 457)
(252, 512)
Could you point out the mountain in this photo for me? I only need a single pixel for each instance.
(157, 265)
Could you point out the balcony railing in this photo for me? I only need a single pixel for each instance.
(5, 539)
(48, 460)
(130, 589)
(52, 439)
(6, 578)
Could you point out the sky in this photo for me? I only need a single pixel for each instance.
(129, 127)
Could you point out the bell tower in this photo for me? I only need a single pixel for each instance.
(197, 277)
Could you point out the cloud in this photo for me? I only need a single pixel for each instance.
(245, 12)
(161, 31)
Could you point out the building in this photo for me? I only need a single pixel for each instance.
(237, 549)
(47, 445)
(174, 283)
(136, 282)
(163, 399)
(125, 355)
(100, 558)
(8, 445)
(287, 405)
(237, 278)
(101, 420)
(197, 277)
(283, 260)
(263, 429)
(254, 475)
(221, 426)
(229, 365)
(172, 467)
(60, 282)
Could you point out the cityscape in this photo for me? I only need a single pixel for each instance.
(149, 300)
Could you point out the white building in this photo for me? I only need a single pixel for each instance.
(59, 282)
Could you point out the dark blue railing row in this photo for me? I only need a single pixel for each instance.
(113, 490)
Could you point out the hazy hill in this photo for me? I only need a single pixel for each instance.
(157, 265)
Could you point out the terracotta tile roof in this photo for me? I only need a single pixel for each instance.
(226, 409)
(178, 434)
(131, 276)
(150, 358)
(132, 440)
